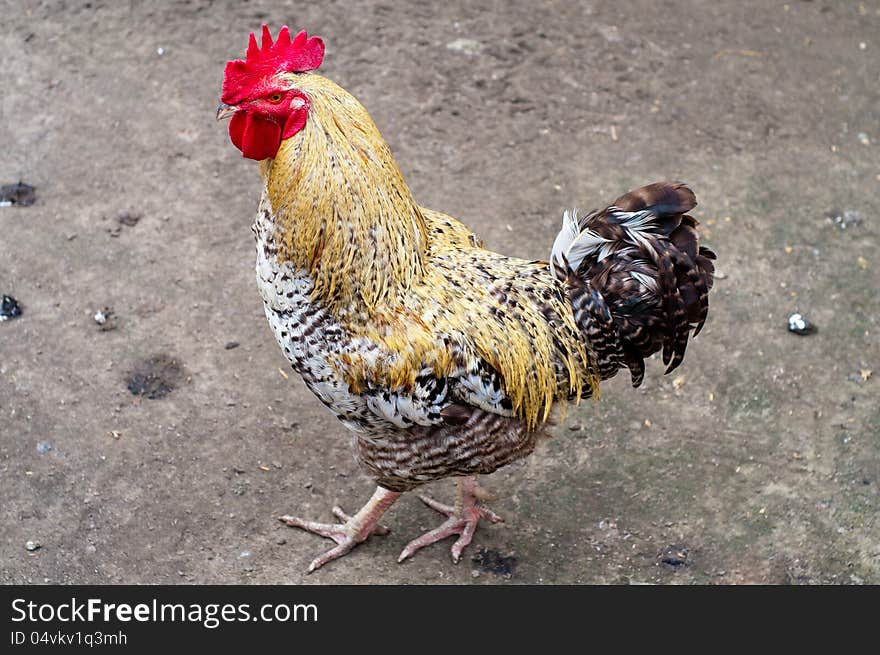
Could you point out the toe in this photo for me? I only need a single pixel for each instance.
(437, 506)
(335, 532)
(490, 516)
(447, 529)
(467, 534)
(340, 514)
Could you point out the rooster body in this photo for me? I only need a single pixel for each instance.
(442, 357)
(393, 383)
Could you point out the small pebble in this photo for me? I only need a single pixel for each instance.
(575, 427)
(9, 308)
(17, 194)
(31, 546)
(44, 447)
(861, 377)
(845, 219)
(674, 556)
(466, 46)
(106, 319)
(128, 219)
(231, 344)
(798, 324)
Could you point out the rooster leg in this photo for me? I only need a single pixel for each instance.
(463, 519)
(352, 531)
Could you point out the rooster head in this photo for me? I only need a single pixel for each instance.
(258, 95)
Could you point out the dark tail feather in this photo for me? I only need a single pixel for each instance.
(663, 198)
(644, 282)
(597, 323)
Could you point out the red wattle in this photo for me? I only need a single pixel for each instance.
(257, 137)
(295, 122)
(236, 129)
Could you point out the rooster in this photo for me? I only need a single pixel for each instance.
(443, 358)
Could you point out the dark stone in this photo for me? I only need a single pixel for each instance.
(9, 308)
(674, 556)
(17, 194)
(128, 219)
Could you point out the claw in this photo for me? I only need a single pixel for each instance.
(332, 554)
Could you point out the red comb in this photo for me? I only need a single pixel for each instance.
(296, 56)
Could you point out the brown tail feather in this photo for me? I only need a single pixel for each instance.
(651, 278)
(665, 198)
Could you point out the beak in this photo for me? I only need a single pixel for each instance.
(225, 111)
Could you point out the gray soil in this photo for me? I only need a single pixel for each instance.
(758, 461)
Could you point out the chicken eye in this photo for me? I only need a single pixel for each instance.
(275, 98)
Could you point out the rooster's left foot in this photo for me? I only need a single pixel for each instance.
(463, 519)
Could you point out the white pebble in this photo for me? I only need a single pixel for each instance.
(466, 46)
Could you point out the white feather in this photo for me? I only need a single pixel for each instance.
(606, 250)
(588, 243)
(634, 220)
(647, 281)
(574, 246)
(385, 408)
(564, 239)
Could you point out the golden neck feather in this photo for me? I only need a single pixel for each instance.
(341, 206)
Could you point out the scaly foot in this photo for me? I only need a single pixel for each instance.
(463, 519)
(352, 531)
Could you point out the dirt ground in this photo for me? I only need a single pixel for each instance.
(758, 461)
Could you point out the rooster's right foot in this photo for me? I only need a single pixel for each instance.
(354, 529)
